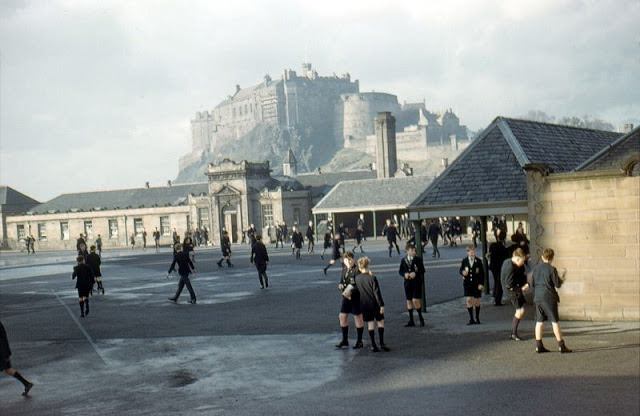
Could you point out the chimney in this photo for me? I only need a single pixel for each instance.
(454, 141)
(445, 162)
(237, 88)
(386, 160)
(628, 127)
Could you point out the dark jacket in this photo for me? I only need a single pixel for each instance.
(225, 245)
(476, 273)
(184, 264)
(545, 281)
(84, 275)
(512, 277)
(498, 253)
(259, 253)
(348, 275)
(297, 239)
(370, 294)
(416, 265)
(94, 261)
(391, 232)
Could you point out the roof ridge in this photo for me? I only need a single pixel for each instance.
(513, 142)
(524, 120)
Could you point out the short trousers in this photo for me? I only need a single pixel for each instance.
(369, 315)
(351, 306)
(413, 288)
(473, 292)
(546, 311)
(518, 300)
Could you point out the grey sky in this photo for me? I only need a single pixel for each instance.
(98, 95)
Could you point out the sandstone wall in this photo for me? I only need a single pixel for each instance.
(592, 221)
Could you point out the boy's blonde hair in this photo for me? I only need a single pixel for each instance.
(363, 263)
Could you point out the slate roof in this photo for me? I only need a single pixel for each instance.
(490, 172)
(332, 178)
(372, 194)
(12, 201)
(615, 155)
(174, 195)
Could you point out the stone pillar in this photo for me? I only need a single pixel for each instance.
(386, 160)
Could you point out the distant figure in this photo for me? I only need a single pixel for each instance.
(310, 237)
(296, 241)
(5, 358)
(225, 248)
(32, 244)
(99, 245)
(156, 238)
(260, 258)
(132, 241)
(81, 245)
(185, 267)
(94, 261)
(84, 284)
(144, 239)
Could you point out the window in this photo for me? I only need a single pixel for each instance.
(203, 217)
(88, 230)
(64, 230)
(165, 226)
(113, 228)
(42, 232)
(296, 215)
(138, 226)
(267, 215)
(21, 234)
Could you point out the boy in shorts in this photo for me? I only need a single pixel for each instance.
(371, 303)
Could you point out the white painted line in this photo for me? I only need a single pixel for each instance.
(95, 347)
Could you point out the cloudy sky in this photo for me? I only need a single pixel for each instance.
(98, 94)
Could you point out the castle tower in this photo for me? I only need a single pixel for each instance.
(290, 165)
(386, 160)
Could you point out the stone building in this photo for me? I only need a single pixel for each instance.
(237, 195)
(245, 193)
(576, 191)
(115, 215)
(13, 202)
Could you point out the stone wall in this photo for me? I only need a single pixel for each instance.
(592, 221)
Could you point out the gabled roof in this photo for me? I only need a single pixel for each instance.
(488, 176)
(13, 201)
(9, 196)
(372, 194)
(174, 195)
(616, 155)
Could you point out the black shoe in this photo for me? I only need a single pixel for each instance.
(103, 291)
(192, 301)
(385, 348)
(342, 344)
(374, 348)
(410, 323)
(471, 322)
(358, 345)
(421, 322)
(261, 286)
(478, 322)
(82, 315)
(27, 388)
(541, 349)
(219, 264)
(515, 337)
(174, 300)
(564, 350)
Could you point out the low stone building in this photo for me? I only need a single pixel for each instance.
(13, 202)
(576, 190)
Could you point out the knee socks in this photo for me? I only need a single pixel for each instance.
(81, 302)
(23, 380)
(420, 315)
(470, 310)
(373, 338)
(410, 315)
(360, 332)
(514, 325)
(381, 335)
(477, 313)
(345, 334)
